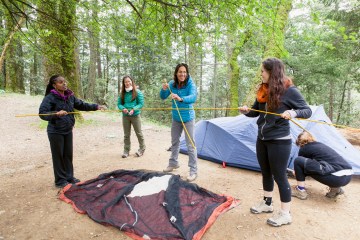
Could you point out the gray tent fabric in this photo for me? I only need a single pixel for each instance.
(232, 140)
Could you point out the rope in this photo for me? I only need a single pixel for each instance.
(179, 109)
(182, 122)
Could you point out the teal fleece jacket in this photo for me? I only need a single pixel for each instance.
(136, 104)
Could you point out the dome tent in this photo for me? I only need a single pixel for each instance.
(232, 140)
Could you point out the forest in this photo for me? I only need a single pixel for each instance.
(94, 43)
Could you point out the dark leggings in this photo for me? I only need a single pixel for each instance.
(62, 156)
(328, 180)
(273, 158)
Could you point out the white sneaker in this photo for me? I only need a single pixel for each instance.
(140, 152)
(279, 218)
(191, 177)
(301, 194)
(262, 207)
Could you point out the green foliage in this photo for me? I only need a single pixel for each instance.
(324, 62)
(223, 42)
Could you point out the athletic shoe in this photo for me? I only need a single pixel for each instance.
(170, 168)
(279, 218)
(125, 155)
(262, 207)
(139, 153)
(334, 192)
(296, 192)
(290, 173)
(191, 177)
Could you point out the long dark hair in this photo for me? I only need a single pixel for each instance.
(176, 80)
(134, 92)
(276, 82)
(51, 83)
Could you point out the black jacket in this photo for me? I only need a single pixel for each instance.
(53, 103)
(325, 159)
(271, 126)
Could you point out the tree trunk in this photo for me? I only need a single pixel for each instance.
(8, 40)
(342, 102)
(69, 44)
(331, 100)
(274, 45)
(214, 83)
(91, 79)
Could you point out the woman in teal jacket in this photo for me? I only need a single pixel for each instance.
(130, 102)
(183, 91)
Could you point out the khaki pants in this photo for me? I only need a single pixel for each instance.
(135, 121)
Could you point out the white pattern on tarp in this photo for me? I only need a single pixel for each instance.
(153, 185)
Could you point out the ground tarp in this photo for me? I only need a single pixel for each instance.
(148, 205)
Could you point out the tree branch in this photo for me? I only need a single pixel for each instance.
(132, 5)
(7, 43)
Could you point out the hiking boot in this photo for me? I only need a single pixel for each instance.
(301, 194)
(191, 177)
(125, 155)
(262, 207)
(74, 180)
(279, 218)
(62, 185)
(334, 192)
(170, 168)
(139, 153)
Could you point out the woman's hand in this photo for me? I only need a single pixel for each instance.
(176, 97)
(165, 86)
(61, 113)
(244, 109)
(125, 111)
(131, 112)
(289, 114)
(102, 107)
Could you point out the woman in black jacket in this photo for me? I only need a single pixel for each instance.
(276, 94)
(57, 103)
(323, 164)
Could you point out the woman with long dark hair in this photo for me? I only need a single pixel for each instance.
(183, 91)
(130, 102)
(58, 102)
(276, 94)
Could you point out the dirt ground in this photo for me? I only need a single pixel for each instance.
(30, 208)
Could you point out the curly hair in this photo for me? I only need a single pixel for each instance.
(304, 138)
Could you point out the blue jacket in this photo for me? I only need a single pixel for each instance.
(137, 104)
(188, 93)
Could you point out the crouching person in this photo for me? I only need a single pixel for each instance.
(323, 164)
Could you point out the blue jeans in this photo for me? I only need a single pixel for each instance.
(176, 130)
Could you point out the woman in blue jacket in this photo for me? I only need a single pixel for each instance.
(130, 102)
(183, 93)
(276, 94)
(57, 103)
